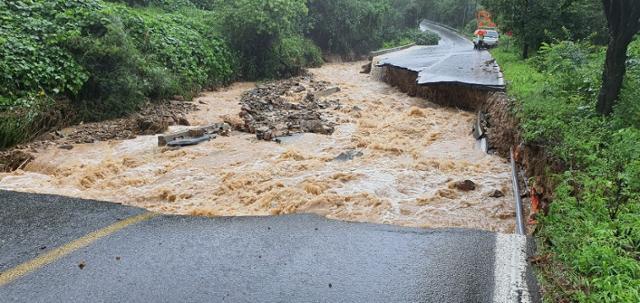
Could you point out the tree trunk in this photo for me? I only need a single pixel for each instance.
(623, 18)
(613, 75)
(525, 50)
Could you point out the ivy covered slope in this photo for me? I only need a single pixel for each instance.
(590, 238)
(103, 59)
(84, 60)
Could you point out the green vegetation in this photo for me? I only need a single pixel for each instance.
(84, 60)
(414, 36)
(535, 22)
(592, 230)
(590, 235)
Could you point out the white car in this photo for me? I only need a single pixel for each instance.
(489, 39)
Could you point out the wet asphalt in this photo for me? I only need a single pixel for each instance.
(296, 258)
(452, 61)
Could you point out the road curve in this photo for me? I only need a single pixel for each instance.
(452, 61)
(298, 258)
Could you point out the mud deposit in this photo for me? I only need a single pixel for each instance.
(390, 159)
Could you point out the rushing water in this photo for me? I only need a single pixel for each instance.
(412, 153)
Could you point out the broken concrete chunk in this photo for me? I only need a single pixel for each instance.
(222, 129)
(190, 141)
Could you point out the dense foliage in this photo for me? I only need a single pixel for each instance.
(535, 22)
(68, 61)
(592, 230)
(104, 59)
(414, 36)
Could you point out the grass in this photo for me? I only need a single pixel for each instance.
(589, 239)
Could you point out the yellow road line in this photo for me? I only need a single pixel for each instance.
(23, 269)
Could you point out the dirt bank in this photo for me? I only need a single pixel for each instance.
(390, 159)
(503, 129)
(152, 119)
(451, 95)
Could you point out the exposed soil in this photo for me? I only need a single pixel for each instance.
(152, 119)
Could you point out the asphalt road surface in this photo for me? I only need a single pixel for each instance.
(58, 249)
(452, 61)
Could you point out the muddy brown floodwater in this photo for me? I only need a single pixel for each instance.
(406, 156)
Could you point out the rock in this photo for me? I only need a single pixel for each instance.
(298, 88)
(327, 92)
(349, 155)
(466, 185)
(65, 146)
(178, 98)
(183, 121)
(496, 194)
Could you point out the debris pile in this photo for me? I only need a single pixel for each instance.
(282, 108)
(194, 136)
(152, 119)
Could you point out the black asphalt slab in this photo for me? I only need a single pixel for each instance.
(296, 258)
(33, 224)
(452, 61)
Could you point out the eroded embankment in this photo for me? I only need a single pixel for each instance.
(390, 159)
(502, 127)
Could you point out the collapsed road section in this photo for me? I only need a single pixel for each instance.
(390, 159)
(451, 73)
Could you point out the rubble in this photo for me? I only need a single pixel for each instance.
(14, 159)
(151, 120)
(195, 135)
(287, 107)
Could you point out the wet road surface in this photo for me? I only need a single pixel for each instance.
(295, 258)
(58, 249)
(452, 61)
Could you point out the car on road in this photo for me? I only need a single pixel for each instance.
(486, 38)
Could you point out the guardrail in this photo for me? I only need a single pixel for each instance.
(520, 228)
(389, 50)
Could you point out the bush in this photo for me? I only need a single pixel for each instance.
(426, 38)
(289, 55)
(106, 58)
(255, 27)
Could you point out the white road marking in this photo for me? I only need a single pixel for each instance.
(510, 270)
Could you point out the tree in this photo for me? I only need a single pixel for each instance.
(535, 21)
(254, 26)
(623, 18)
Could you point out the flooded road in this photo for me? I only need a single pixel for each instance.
(392, 159)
